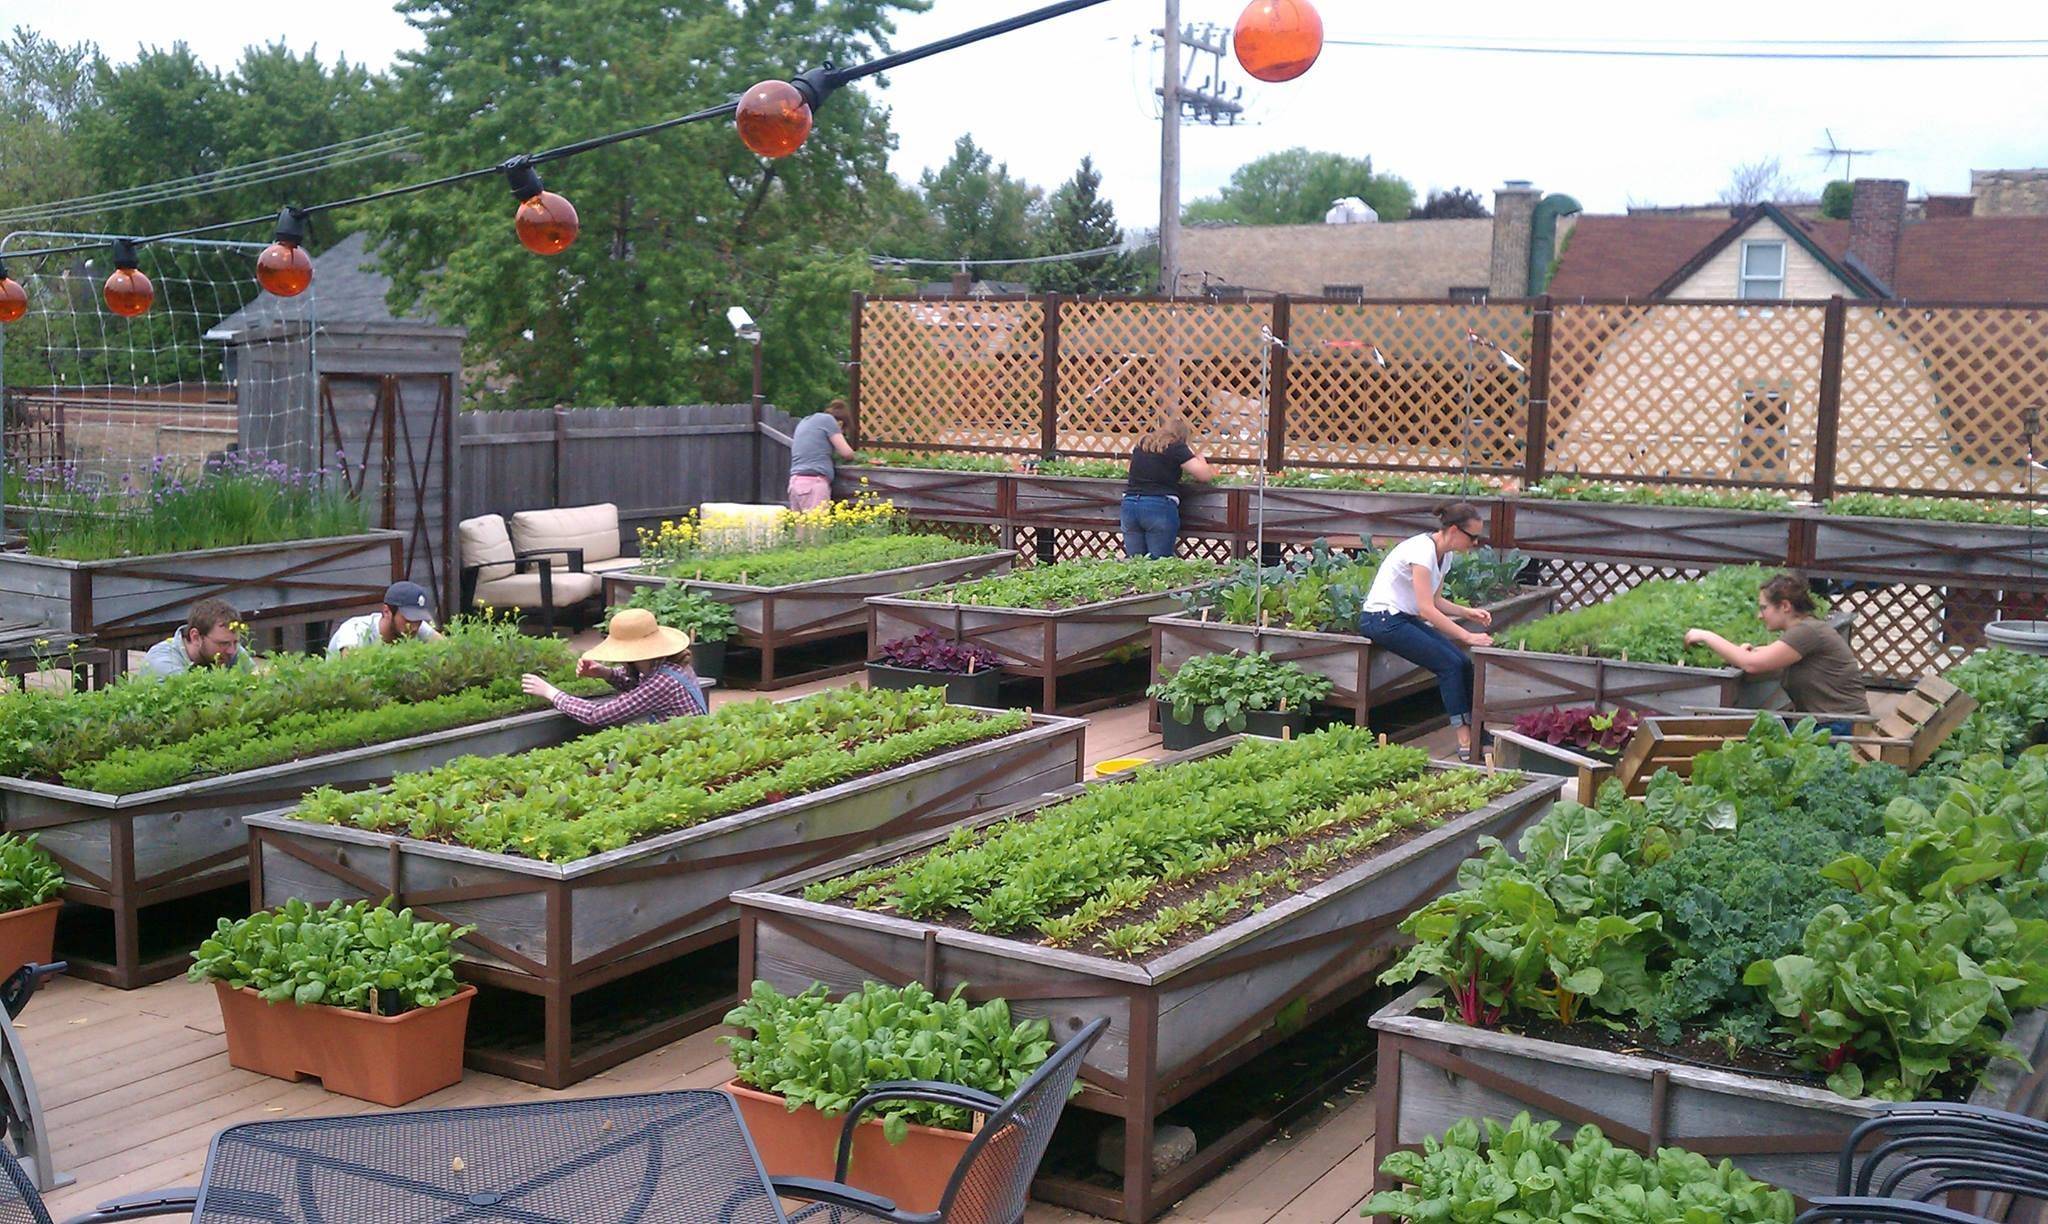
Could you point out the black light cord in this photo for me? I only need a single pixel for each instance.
(816, 84)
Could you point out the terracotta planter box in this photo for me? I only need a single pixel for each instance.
(1929, 550)
(28, 936)
(1559, 527)
(127, 853)
(805, 1143)
(1433, 1072)
(391, 1060)
(141, 599)
(1361, 674)
(772, 619)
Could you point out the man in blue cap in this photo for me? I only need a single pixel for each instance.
(408, 612)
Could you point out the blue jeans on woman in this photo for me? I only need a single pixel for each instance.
(1423, 644)
(1151, 525)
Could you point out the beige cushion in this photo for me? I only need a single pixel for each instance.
(484, 542)
(523, 590)
(594, 529)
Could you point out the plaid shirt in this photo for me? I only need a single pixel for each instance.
(654, 696)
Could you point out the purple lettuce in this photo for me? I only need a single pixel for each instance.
(930, 652)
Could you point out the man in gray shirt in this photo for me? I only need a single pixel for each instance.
(210, 637)
(813, 445)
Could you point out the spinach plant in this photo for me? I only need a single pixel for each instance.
(28, 875)
(357, 956)
(1222, 688)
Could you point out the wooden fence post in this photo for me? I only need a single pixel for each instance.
(1536, 435)
(860, 303)
(561, 424)
(1049, 382)
(1276, 390)
(1828, 420)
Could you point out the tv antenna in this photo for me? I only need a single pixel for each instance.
(1833, 150)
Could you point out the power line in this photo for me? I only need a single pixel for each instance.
(1092, 253)
(1672, 53)
(1744, 42)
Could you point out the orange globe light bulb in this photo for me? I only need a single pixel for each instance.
(128, 292)
(284, 269)
(1278, 40)
(774, 119)
(13, 299)
(546, 224)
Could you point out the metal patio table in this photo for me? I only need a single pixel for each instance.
(654, 1158)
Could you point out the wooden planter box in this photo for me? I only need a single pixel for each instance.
(1303, 514)
(773, 619)
(1433, 1072)
(1362, 675)
(140, 600)
(557, 930)
(1179, 1021)
(1513, 750)
(928, 493)
(1089, 503)
(1930, 551)
(1511, 682)
(1670, 534)
(1047, 645)
(128, 853)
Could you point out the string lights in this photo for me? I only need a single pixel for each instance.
(546, 223)
(128, 292)
(284, 267)
(13, 298)
(1278, 40)
(773, 119)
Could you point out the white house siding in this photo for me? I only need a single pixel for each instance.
(1721, 276)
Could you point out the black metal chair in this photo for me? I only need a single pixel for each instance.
(1895, 1165)
(994, 1175)
(21, 1203)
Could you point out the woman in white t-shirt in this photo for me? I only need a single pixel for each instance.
(1406, 613)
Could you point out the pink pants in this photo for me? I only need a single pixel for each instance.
(808, 492)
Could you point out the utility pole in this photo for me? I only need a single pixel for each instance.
(1207, 103)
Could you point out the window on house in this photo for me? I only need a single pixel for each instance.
(1475, 294)
(1345, 293)
(1763, 270)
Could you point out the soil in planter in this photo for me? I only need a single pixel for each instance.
(166, 929)
(508, 1022)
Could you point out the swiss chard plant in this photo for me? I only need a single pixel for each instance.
(925, 650)
(28, 875)
(1522, 1174)
(1586, 728)
(1220, 689)
(812, 1050)
(357, 956)
(678, 607)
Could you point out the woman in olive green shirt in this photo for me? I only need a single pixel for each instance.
(1821, 672)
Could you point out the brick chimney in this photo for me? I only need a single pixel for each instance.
(1939, 207)
(1514, 206)
(1877, 212)
(963, 282)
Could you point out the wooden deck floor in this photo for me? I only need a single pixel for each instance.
(136, 1083)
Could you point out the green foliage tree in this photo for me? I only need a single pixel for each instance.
(45, 88)
(1456, 203)
(978, 211)
(1835, 200)
(1297, 186)
(1078, 218)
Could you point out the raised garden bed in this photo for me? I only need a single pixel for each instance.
(1184, 1008)
(1301, 512)
(1927, 550)
(127, 854)
(1512, 750)
(1673, 534)
(1362, 675)
(1045, 644)
(139, 600)
(1086, 503)
(930, 493)
(560, 930)
(774, 619)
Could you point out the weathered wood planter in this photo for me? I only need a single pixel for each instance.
(1672, 534)
(1433, 1072)
(1929, 550)
(1511, 682)
(1300, 514)
(128, 853)
(1179, 1021)
(773, 619)
(930, 493)
(1048, 645)
(1361, 674)
(138, 600)
(1091, 503)
(559, 930)
(1513, 750)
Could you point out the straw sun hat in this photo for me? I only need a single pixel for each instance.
(636, 637)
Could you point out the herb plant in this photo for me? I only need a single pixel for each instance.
(1222, 688)
(813, 1051)
(357, 956)
(678, 607)
(927, 651)
(1568, 488)
(1944, 509)
(1586, 728)
(1521, 1173)
(611, 789)
(28, 875)
(1100, 469)
(1647, 624)
(1071, 584)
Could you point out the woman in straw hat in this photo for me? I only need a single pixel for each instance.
(655, 682)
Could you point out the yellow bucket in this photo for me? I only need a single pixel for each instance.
(1105, 768)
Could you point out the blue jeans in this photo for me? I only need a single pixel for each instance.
(1838, 727)
(1151, 525)
(1421, 643)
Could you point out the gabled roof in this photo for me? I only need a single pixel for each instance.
(1860, 283)
(1628, 257)
(347, 288)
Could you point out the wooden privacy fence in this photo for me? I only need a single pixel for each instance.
(1815, 397)
(652, 462)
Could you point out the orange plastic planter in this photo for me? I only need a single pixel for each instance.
(391, 1060)
(806, 1144)
(28, 935)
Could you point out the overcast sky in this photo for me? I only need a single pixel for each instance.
(1608, 131)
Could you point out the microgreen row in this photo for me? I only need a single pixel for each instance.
(1071, 584)
(1647, 623)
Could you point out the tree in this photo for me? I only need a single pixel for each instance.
(677, 227)
(1458, 202)
(1757, 182)
(1836, 199)
(978, 211)
(45, 88)
(1297, 187)
(1079, 219)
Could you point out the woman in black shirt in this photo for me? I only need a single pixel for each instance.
(1151, 510)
